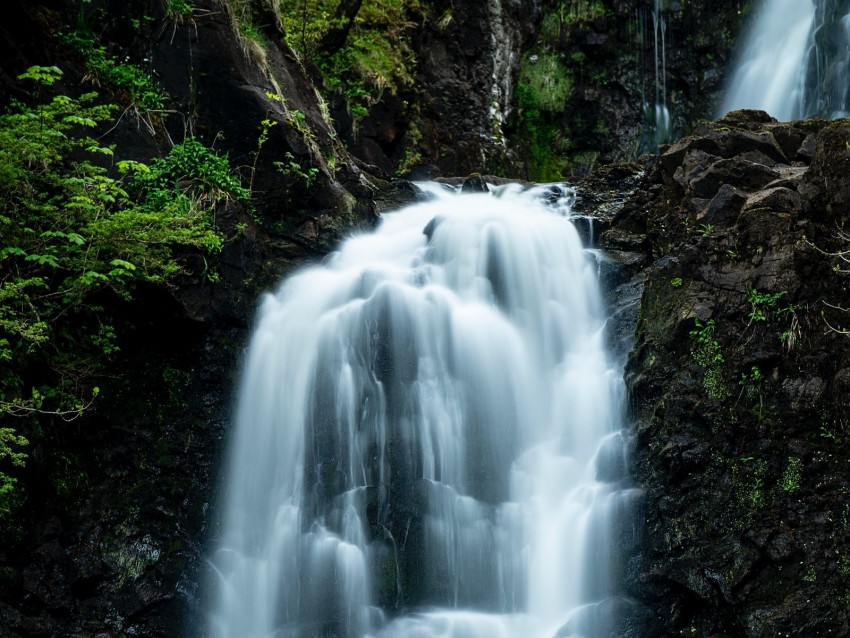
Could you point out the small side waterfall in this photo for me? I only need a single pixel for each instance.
(428, 439)
(655, 108)
(796, 61)
(662, 113)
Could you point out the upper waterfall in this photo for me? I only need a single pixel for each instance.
(796, 61)
(428, 436)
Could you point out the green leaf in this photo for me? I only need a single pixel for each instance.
(120, 263)
(82, 121)
(12, 250)
(49, 234)
(46, 75)
(91, 277)
(103, 150)
(43, 260)
(131, 166)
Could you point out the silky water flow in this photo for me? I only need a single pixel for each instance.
(428, 436)
(795, 62)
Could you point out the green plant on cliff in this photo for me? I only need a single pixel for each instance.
(792, 476)
(707, 353)
(763, 305)
(143, 91)
(75, 240)
(748, 476)
(363, 49)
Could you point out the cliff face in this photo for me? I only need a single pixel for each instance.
(738, 380)
(607, 81)
(731, 238)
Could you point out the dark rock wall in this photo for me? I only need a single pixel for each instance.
(739, 380)
(604, 65)
(454, 120)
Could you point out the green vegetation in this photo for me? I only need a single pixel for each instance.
(706, 352)
(143, 91)
(792, 476)
(293, 170)
(10, 454)
(751, 387)
(177, 9)
(362, 50)
(763, 305)
(676, 282)
(748, 475)
(705, 230)
(548, 82)
(76, 240)
(542, 91)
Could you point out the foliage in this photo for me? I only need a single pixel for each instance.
(292, 169)
(73, 240)
(144, 91)
(377, 55)
(10, 442)
(707, 353)
(546, 142)
(176, 9)
(548, 81)
(762, 305)
(748, 475)
(412, 155)
(792, 476)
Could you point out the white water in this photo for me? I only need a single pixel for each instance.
(771, 72)
(420, 428)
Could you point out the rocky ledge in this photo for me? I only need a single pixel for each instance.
(739, 378)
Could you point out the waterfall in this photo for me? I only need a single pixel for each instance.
(796, 61)
(662, 113)
(657, 117)
(428, 437)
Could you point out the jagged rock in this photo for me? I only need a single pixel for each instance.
(474, 184)
(736, 468)
(724, 206)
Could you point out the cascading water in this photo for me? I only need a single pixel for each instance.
(656, 111)
(770, 73)
(796, 62)
(662, 113)
(428, 437)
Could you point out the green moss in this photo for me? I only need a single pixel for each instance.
(547, 80)
(377, 55)
(707, 353)
(792, 476)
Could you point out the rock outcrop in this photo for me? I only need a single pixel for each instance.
(739, 380)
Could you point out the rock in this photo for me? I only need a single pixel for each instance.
(827, 184)
(745, 175)
(736, 472)
(724, 206)
(780, 200)
(474, 184)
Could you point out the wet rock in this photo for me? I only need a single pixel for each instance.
(747, 176)
(724, 206)
(738, 472)
(474, 184)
